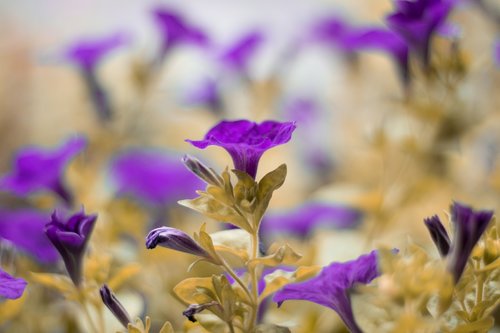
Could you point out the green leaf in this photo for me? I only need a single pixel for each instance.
(267, 185)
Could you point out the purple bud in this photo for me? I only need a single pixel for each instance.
(174, 239)
(438, 234)
(113, 304)
(202, 171)
(70, 237)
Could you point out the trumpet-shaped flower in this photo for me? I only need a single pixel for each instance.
(11, 287)
(332, 286)
(174, 239)
(246, 141)
(25, 230)
(70, 237)
(39, 169)
(152, 176)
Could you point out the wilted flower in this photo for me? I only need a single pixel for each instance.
(113, 304)
(25, 230)
(174, 239)
(439, 235)
(332, 286)
(237, 56)
(176, 31)
(416, 22)
(246, 141)
(70, 237)
(39, 169)
(11, 287)
(152, 176)
(304, 219)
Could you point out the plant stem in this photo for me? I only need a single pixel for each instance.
(89, 317)
(236, 278)
(254, 280)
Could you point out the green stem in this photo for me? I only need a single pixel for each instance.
(236, 278)
(254, 279)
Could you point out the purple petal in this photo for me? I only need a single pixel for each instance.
(11, 287)
(25, 229)
(496, 53)
(153, 176)
(332, 286)
(238, 55)
(303, 220)
(206, 93)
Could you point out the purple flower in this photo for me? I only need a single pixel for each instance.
(11, 287)
(25, 230)
(468, 225)
(174, 239)
(496, 53)
(176, 31)
(246, 141)
(152, 176)
(438, 234)
(39, 169)
(206, 93)
(113, 304)
(70, 237)
(332, 286)
(304, 219)
(416, 21)
(238, 55)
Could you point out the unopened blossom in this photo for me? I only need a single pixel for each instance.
(331, 288)
(24, 228)
(37, 169)
(113, 304)
(11, 287)
(70, 236)
(438, 234)
(246, 141)
(174, 239)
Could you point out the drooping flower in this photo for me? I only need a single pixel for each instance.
(25, 230)
(174, 239)
(246, 141)
(152, 176)
(237, 56)
(303, 220)
(175, 30)
(416, 21)
(39, 169)
(113, 304)
(332, 286)
(468, 227)
(70, 236)
(11, 287)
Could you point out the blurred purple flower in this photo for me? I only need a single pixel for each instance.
(70, 237)
(176, 31)
(175, 239)
(332, 286)
(152, 176)
(304, 219)
(438, 234)
(11, 287)
(39, 169)
(237, 56)
(469, 226)
(496, 53)
(25, 230)
(331, 31)
(416, 21)
(246, 141)
(206, 93)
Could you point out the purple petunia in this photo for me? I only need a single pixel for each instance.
(40, 169)
(237, 56)
(304, 219)
(332, 286)
(153, 176)
(175, 30)
(246, 141)
(416, 21)
(11, 287)
(70, 236)
(25, 230)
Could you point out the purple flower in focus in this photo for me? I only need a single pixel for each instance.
(304, 219)
(174, 239)
(70, 237)
(153, 176)
(416, 21)
(238, 55)
(246, 141)
(11, 287)
(25, 230)
(332, 286)
(176, 31)
(39, 169)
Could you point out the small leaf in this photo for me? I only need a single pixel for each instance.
(123, 274)
(195, 290)
(58, 282)
(267, 185)
(167, 328)
(284, 255)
